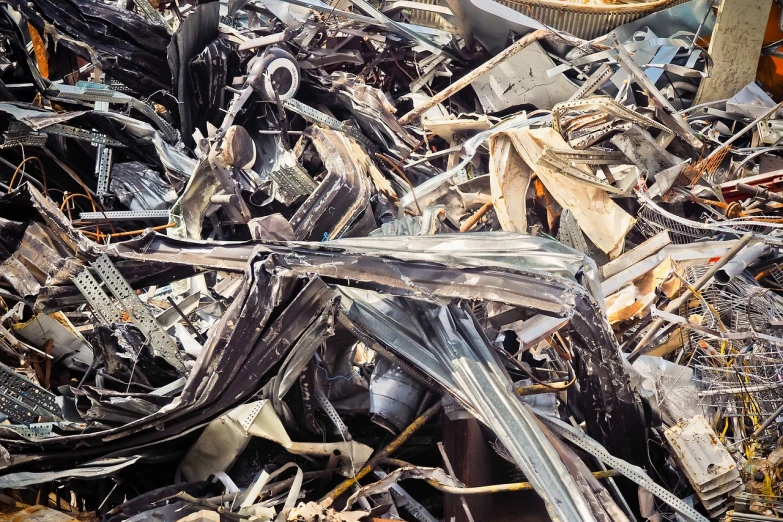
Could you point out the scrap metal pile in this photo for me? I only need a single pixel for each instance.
(276, 259)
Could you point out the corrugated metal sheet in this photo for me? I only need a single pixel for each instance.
(580, 20)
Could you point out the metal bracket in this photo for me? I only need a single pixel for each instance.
(95, 138)
(313, 115)
(103, 169)
(20, 134)
(292, 180)
(162, 344)
(552, 159)
(570, 234)
(770, 131)
(316, 116)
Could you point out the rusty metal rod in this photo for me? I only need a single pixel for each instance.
(475, 73)
(472, 220)
(398, 441)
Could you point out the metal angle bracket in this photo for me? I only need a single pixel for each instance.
(162, 344)
(80, 134)
(19, 134)
(550, 158)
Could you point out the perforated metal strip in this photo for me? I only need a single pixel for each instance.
(313, 115)
(593, 83)
(634, 473)
(99, 301)
(163, 345)
(152, 14)
(95, 138)
(329, 410)
(103, 168)
(23, 400)
(124, 215)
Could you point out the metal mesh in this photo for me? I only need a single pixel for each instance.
(742, 379)
(649, 223)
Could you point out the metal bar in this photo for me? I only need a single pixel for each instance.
(184, 317)
(100, 302)
(676, 303)
(450, 469)
(124, 215)
(769, 420)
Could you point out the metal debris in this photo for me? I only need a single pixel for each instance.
(275, 259)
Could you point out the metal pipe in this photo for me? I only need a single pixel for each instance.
(759, 192)
(398, 441)
(265, 40)
(475, 73)
(676, 303)
(741, 261)
(769, 420)
(224, 199)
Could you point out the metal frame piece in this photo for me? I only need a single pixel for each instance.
(679, 126)
(162, 344)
